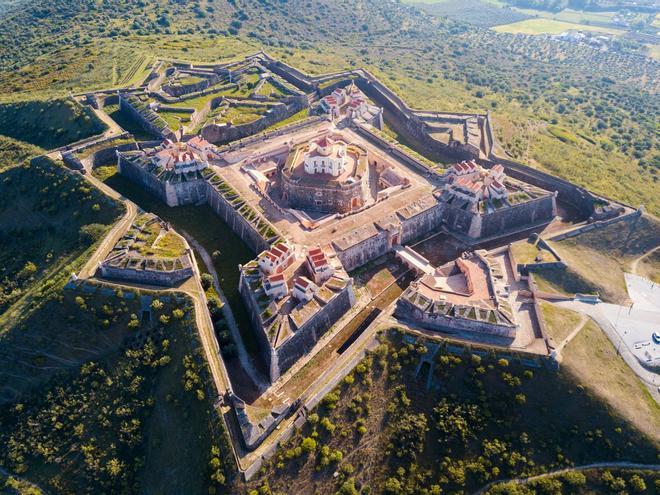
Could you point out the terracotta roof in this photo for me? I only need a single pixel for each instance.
(324, 142)
(276, 278)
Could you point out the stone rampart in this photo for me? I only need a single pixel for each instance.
(305, 338)
(143, 178)
(568, 192)
(290, 74)
(596, 225)
(450, 324)
(156, 126)
(238, 224)
(215, 133)
(184, 89)
(518, 216)
(146, 276)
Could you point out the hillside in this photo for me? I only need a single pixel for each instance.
(414, 418)
(49, 217)
(573, 111)
(48, 124)
(97, 395)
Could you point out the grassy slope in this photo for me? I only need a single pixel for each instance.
(593, 361)
(13, 152)
(598, 259)
(48, 124)
(559, 322)
(649, 267)
(50, 351)
(49, 216)
(556, 424)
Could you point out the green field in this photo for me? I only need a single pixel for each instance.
(550, 26)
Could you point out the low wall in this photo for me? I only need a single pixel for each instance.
(596, 225)
(149, 277)
(410, 312)
(215, 133)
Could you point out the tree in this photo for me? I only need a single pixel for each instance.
(409, 435)
(308, 445)
(207, 281)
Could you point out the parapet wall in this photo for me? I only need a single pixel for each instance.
(145, 276)
(215, 133)
(306, 337)
(409, 312)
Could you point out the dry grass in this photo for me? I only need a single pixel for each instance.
(594, 362)
(559, 322)
(649, 267)
(598, 259)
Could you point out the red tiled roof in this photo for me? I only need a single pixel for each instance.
(276, 278)
(324, 142)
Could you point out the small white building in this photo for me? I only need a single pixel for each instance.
(326, 156)
(275, 286)
(202, 147)
(319, 267)
(276, 259)
(304, 289)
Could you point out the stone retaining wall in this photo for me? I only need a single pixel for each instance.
(149, 277)
(215, 133)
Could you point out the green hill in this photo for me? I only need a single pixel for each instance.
(484, 418)
(95, 397)
(48, 124)
(49, 217)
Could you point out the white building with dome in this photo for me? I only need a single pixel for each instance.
(326, 156)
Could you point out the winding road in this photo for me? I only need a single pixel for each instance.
(556, 472)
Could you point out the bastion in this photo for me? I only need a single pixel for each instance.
(149, 253)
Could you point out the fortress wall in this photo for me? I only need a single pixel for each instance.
(124, 105)
(307, 336)
(185, 193)
(518, 216)
(149, 277)
(568, 192)
(409, 312)
(179, 90)
(265, 349)
(215, 133)
(288, 73)
(457, 220)
(421, 224)
(239, 225)
(332, 198)
(407, 123)
(363, 252)
(142, 178)
(107, 155)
